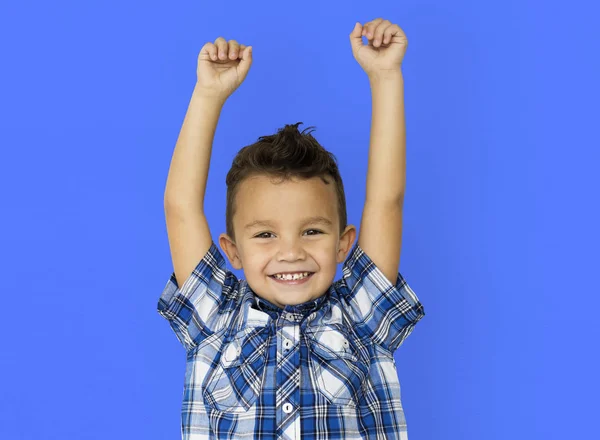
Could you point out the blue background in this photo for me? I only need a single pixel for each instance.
(501, 208)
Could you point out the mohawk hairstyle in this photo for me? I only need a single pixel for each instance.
(285, 155)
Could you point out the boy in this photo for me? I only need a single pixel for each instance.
(286, 353)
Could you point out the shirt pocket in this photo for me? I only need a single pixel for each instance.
(235, 381)
(338, 369)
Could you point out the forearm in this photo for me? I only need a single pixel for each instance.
(386, 175)
(188, 173)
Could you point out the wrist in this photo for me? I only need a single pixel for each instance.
(209, 95)
(386, 77)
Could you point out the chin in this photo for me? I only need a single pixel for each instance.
(290, 298)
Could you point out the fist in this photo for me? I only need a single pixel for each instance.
(222, 67)
(384, 52)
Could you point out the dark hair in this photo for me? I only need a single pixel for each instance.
(286, 154)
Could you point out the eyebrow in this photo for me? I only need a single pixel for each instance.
(306, 221)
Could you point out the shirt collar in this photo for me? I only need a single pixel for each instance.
(302, 309)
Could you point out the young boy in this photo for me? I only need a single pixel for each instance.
(286, 353)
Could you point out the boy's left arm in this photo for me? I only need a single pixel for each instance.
(381, 225)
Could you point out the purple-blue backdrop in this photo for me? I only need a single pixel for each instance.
(500, 237)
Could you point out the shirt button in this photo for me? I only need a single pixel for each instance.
(287, 344)
(287, 408)
(290, 316)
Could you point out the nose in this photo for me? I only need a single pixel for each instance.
(290, 250)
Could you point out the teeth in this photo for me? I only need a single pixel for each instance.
(289, 277)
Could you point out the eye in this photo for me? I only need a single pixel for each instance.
(314, 230)
(261, 235)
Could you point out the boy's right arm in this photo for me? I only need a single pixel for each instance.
(222, 67)
(187, 228)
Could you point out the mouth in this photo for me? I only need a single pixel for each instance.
(292, 282)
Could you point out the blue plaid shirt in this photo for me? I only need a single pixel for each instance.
(323, 369)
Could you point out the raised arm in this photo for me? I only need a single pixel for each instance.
(222, 67)
(380, 233)
(187, 228)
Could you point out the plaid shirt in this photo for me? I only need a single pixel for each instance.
(319, 370)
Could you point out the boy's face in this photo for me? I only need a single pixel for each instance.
(287, 243)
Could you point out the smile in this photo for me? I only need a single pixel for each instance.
(298, 278)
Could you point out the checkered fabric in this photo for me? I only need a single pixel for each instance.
(323, 369)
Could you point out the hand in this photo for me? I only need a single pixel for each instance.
(222, 67)
(385, 48)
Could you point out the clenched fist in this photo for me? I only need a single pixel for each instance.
(384, 52)
(222, 67)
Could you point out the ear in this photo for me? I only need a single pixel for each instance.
(346, 241)
(231, 250)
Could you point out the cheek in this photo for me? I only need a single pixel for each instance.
(326, 256)
(255, 260)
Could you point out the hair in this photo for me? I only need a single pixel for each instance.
(285, 155)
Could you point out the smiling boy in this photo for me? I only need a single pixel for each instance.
(287, 230)
(286, 352)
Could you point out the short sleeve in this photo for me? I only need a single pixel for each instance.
(193, 311)
(386, 312)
